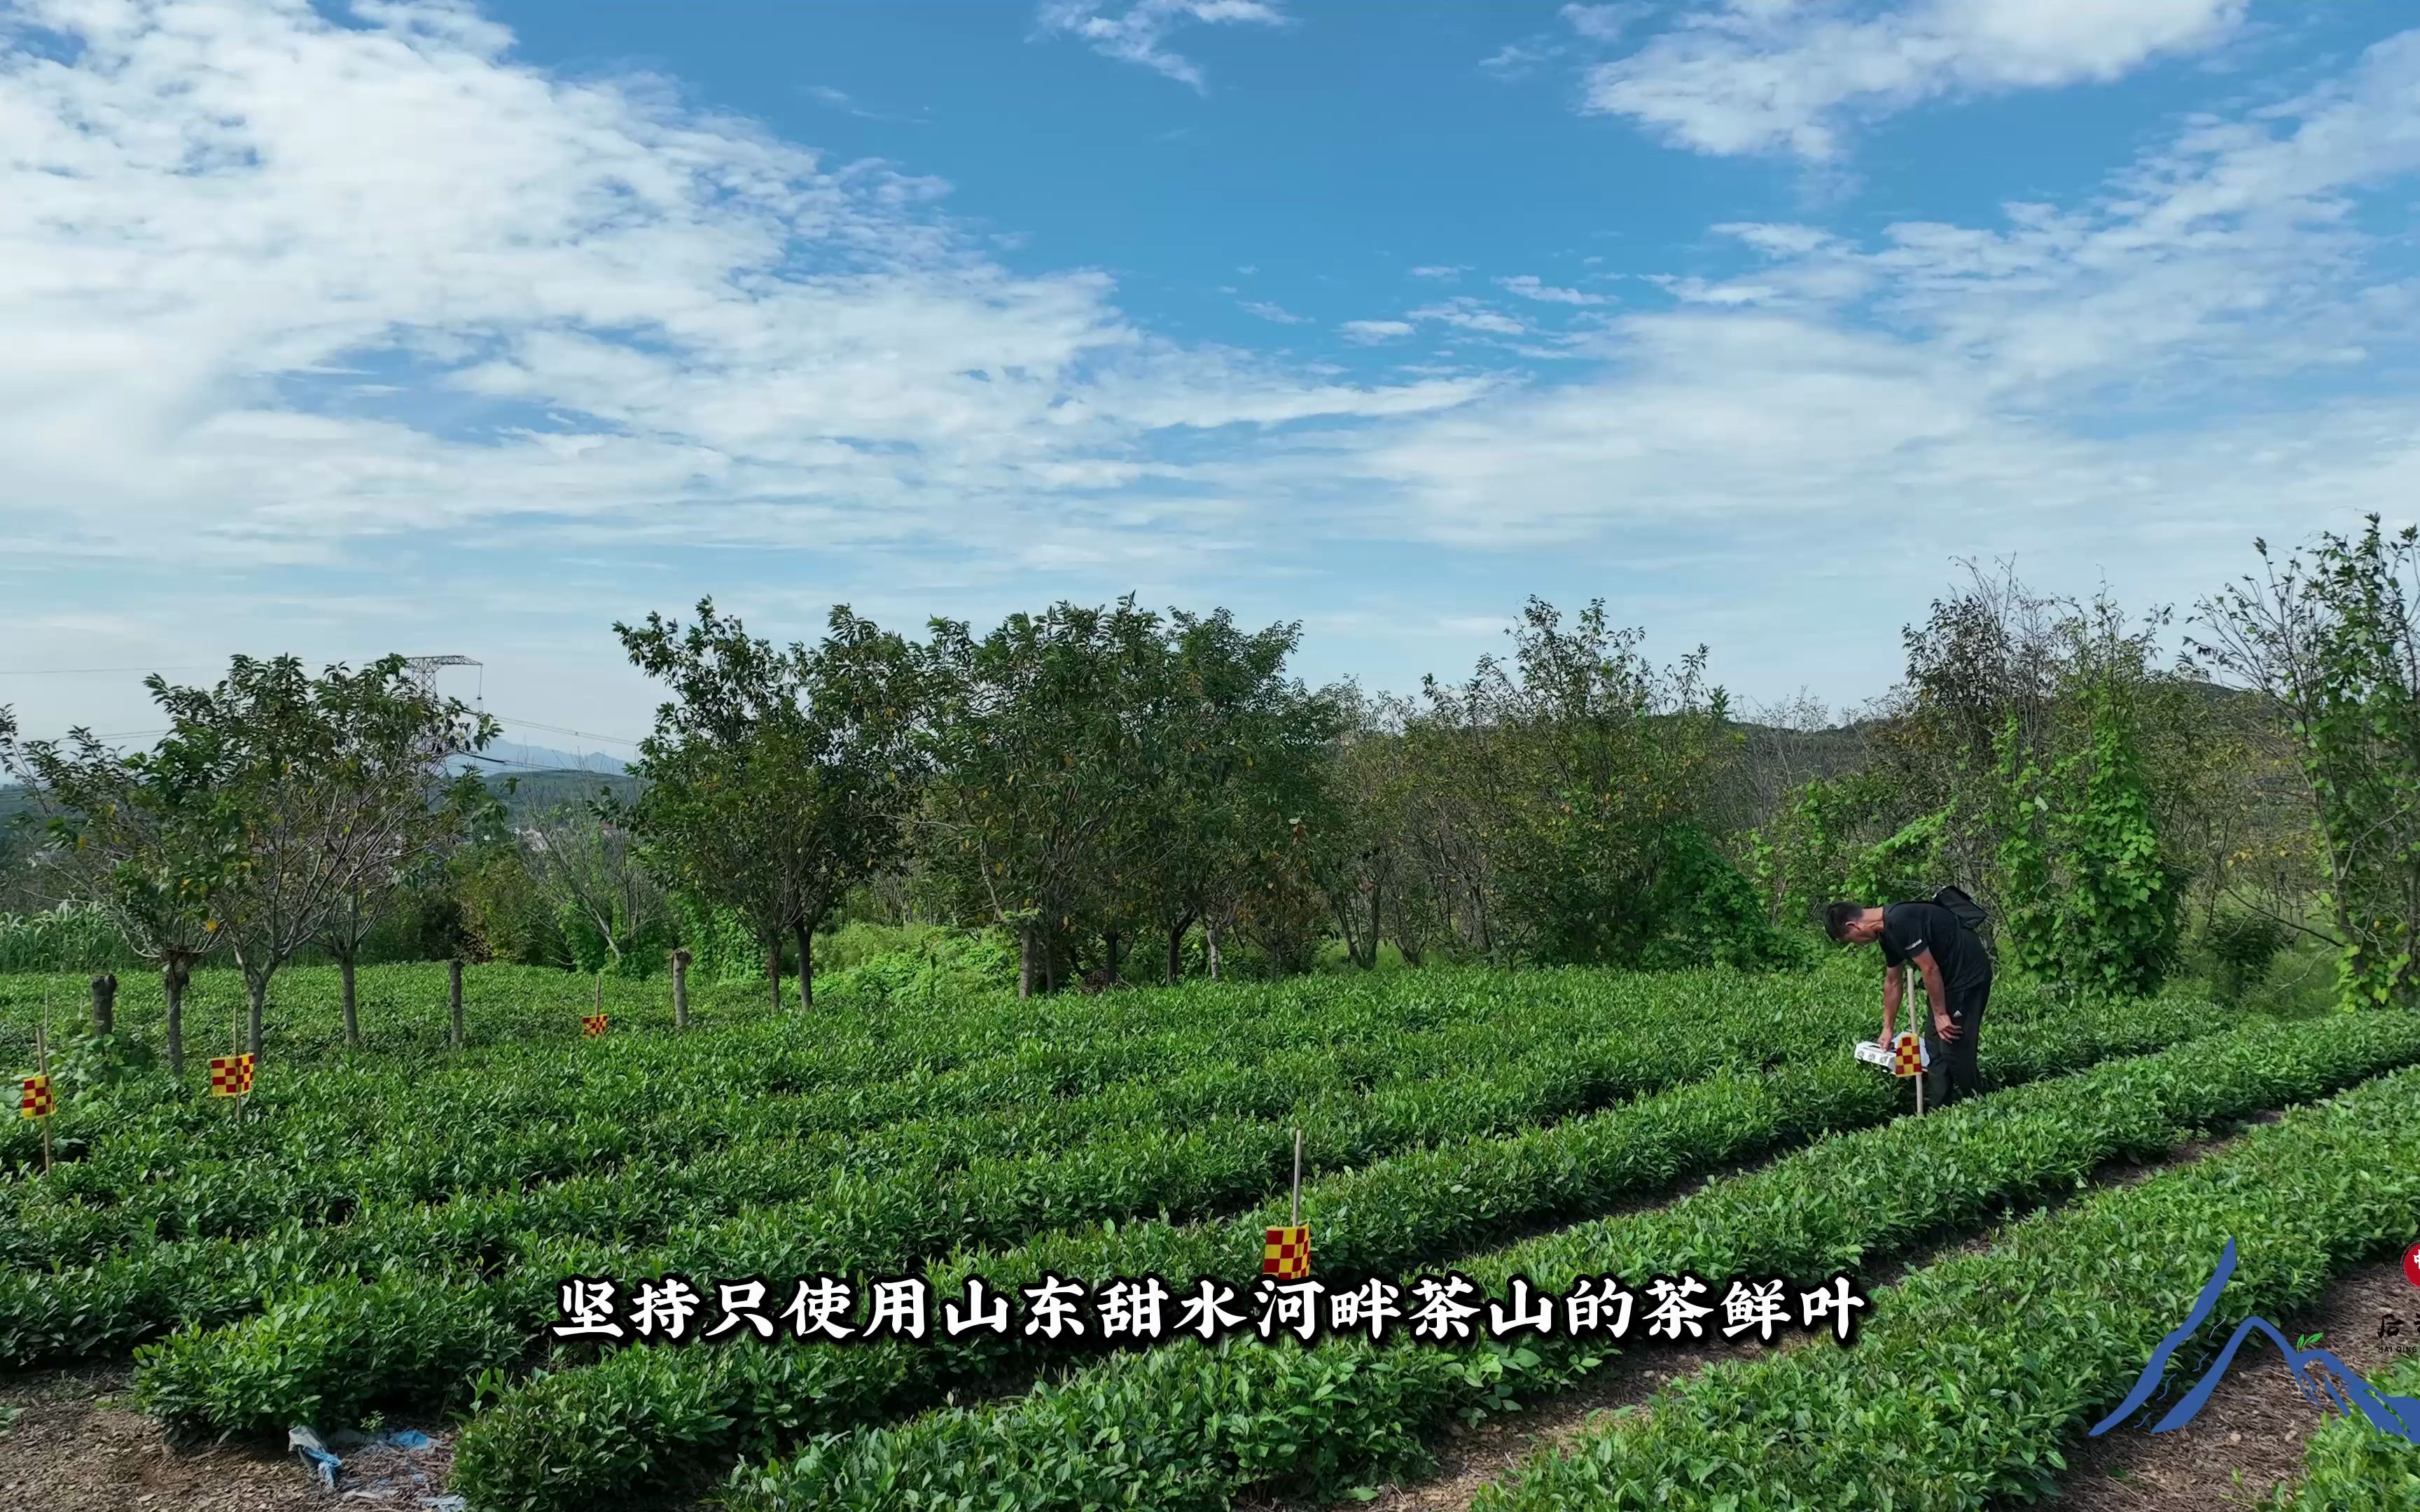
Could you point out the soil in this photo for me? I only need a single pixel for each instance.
(74, 1443)
(2248, 1437)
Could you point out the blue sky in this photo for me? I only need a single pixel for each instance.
(442, 326)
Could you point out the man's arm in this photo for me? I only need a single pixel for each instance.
(1891, 983)
(1938, 991)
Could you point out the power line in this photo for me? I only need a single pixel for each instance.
(532, 766)
(559, 730)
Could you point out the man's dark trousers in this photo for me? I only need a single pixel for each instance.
(1952, 1075)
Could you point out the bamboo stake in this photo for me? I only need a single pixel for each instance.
(1297, 1178)
(42, 1055)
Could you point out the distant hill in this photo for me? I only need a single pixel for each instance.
(507, 755)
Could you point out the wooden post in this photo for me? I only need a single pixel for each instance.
(454, 997)
(600, 994)
(680, 989)
(1297, 1178)
(42, 1056)
(173, 978)
(235, 1048)
(105, 1003)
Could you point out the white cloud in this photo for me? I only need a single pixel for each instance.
(1469, 314)
(1137, 33)
(382, 303)
(1514, 59)
(1780, 239)
(1595, 26)
(841, 99)
(1436, 270)
(1989, 372)
(598, 305)
(1696, 290)
(1792, 75)
(2121, 385)
(1272, 312)
(1529, 287)
(1604, 23)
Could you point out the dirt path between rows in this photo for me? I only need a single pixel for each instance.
(1471, 1458)
(74, 1443)
(2249, 1437)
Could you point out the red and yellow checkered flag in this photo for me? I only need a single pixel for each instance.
(1285, 1253)
(231, 1075)
(37, 1102)
(592, 1025)
(1909, 1060)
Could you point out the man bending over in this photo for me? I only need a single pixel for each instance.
(1956, 973)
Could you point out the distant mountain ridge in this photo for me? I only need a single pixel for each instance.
(510, 756)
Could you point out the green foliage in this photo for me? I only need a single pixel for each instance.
(2349, 1466)
(722, 946)
(2245, 945)
(1372, 1218)
(72, 936)
(1202, 1425)
(2050, 1327)
(269, 1371)
(1907, 865)
(2333, 643)
(940, 967)
(1582, 769)
(774, 781)
(608, 913)
(503, 917)
(1708, 911)
(1803, 859)
(84, 1062)
(2086, 898)
(1236, 807)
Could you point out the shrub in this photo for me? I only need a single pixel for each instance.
(2245, 946)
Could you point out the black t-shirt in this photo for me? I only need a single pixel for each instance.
(1910, 928)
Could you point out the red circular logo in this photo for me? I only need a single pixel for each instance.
(2411, 1265)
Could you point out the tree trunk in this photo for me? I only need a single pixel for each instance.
(680, 989)
(1176, 951)
(352, 1017)
(1025, 962)
(1345, 928)
(1109, 938)
(1378, 902)
(256, 990)
(773, 971)
(172, 976)
(806, 936)
(1210, 939)
(105, 1003)
(453, 1000)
